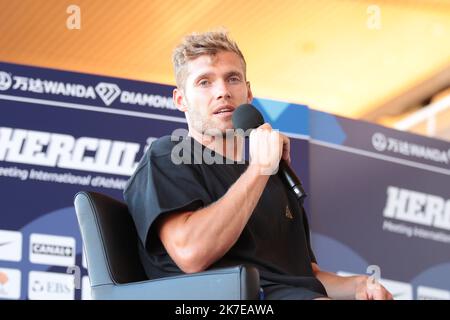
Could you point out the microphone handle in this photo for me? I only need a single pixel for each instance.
(292, 181)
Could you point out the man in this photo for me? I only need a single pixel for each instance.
(195, 216)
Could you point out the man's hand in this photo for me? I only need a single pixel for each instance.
(267, 147)
(360, 287)
(368, 288)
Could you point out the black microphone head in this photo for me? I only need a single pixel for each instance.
(246, 116)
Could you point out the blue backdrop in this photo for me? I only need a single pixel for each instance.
(377, 197)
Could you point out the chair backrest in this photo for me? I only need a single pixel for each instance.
(110, 240)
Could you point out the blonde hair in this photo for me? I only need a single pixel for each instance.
(197, 44)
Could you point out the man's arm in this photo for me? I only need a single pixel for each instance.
(195, 240)
(348, 288)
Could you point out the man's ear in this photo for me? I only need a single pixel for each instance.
(249, 93)
(179, 100)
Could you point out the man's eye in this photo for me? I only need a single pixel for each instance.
(203, 83)
(234, 79)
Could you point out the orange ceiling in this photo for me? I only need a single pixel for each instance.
(318, 52)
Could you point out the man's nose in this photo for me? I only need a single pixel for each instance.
(222, 90)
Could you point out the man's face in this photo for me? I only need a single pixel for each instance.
(214, 87)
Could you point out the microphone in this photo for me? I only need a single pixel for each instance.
(245, 117)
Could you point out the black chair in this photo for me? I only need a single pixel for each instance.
(115, 271)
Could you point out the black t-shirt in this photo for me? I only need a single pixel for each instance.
(275, 239)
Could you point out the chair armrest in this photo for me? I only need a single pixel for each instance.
(234, 283)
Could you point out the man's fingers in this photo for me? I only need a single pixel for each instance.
(267, 147)
(380, 293)
(286, 149)
(265, 126)
(361, 295)
(285, 142)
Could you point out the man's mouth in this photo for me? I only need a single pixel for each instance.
(224, 110)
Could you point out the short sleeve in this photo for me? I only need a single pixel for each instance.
(159, 186)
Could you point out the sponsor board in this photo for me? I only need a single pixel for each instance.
(52, 250)
(50, 286)
(10, 245)
(10, 283)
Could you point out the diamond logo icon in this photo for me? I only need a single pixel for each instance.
(108, 92)
(5, 81)
(379, 141)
